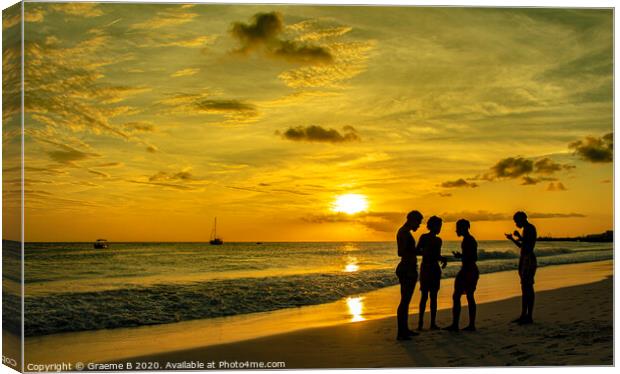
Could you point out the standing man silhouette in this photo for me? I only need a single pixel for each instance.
(467, 278)
(407, 271)
(527, 265)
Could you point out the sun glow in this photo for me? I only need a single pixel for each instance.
(350, 203)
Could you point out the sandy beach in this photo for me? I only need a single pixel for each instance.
(573, 326)
(573, 314)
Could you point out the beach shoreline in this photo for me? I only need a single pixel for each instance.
(375, 312)
(569, 335)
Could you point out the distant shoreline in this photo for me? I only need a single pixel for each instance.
(606, 237)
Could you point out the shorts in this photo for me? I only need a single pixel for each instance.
(466, 280)
(527, 268)
(430, 278)
(406, 272)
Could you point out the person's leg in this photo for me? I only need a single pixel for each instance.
(524, 303)
(471, 305)
(402, 314)
(433, 310)
(456, 311)
(531, 303)
(423, 299)
(528, 291)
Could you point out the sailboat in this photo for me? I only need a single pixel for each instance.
(214, 239)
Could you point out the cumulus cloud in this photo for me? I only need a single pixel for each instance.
(315, 133)
(556, 186)
(349, 60)
(593, 149)
(530, 171)
(511, 167)
(548, 166)
(527, 180)
(262, 33)
(308, 54)
(458, 183)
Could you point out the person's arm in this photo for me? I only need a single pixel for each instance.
(420, 246)
(512, 239)
(440, 258)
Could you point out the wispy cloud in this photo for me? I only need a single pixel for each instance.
(185, 72)
(87, 10)
(167, 18)
(68, 155)
(458, 183)
(196, 104)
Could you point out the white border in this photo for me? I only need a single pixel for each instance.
(480, 3)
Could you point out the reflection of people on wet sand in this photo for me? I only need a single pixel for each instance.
(527, 265)
(467, 278)
(407, 272)
(429, 246)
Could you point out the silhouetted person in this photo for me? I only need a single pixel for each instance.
(407, 272)
(429, 246)
(466, 279)
(527, 265)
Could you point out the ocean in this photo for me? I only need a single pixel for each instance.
(73, 287)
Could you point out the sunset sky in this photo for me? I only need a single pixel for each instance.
(144, 122)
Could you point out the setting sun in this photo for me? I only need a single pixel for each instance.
(350, 203)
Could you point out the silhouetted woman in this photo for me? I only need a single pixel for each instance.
(467, 278)
(430, 272)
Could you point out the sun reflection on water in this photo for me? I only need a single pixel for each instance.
(350, 268)
(356, 307)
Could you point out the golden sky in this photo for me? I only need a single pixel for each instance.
(144, 122)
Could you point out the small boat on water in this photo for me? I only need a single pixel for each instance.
(214, 239)
(101, 244)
